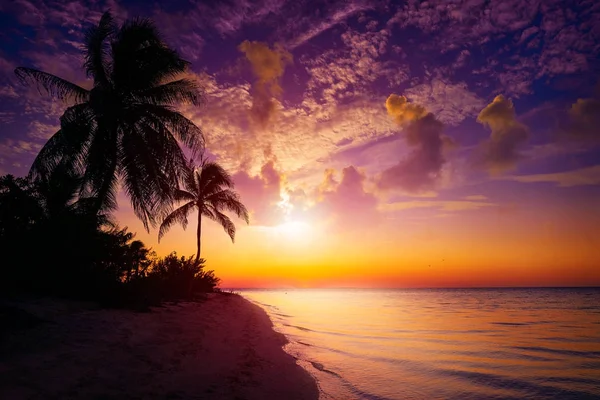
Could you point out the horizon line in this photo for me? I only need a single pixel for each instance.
(409, 288)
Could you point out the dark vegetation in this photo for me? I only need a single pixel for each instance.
(67, 249)
(57, 233)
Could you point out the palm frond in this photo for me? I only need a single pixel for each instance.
(182, 195)
(162, 142)
(152, 152)
(229, 200)
(68, 145)
(100, 176)
(140, 57)
(222, 220)
(181, 127)
(144, 180)
(185, 91)
(55, 86)
(212, 178)
(96, 49)
(59, 190)
(180, 215)
(189, 178)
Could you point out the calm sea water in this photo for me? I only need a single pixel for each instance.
(443, 344)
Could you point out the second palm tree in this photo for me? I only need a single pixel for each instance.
(208, 189)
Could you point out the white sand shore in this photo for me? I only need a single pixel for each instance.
(223, 348)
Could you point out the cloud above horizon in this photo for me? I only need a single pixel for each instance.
(420, 170)
(501, 152)
(584, 120)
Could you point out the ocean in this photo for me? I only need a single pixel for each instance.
(442, 343)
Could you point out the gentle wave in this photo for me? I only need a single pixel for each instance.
(450, 344)
(589, 354)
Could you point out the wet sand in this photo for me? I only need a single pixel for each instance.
(222, 348)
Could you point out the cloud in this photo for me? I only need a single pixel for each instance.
(310, 27)
(346, 203)
(268, 66)
(476, 197)
(452, 205)
(182, 30)
(261, 194)
(303, 137)
(588, 176)
(450, 103)
(501, 151)
(346, 71)
(584, 120)
(340, 203)
(402, 111)
(42, 131)
(520, 41)
(229, 17)
(18, 153)
(421, 169)
(555, 149)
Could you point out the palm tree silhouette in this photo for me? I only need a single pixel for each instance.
(125, 129)
(209, 189)
(62, 206)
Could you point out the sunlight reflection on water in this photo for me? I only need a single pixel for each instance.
(438, 343)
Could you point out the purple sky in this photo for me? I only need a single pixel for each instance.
(392, 111)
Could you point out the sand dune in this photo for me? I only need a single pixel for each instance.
(223, 348)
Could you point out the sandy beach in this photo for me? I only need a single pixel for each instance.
(222, 348)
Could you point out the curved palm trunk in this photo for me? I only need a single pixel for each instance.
(199, 233)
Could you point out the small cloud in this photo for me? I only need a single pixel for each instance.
(346, 203)
(450, 206)
(554, 149)
(402, 111)
(476, 197)
(421, 169)
(589, 176)
(329, 182)
(344, 142)
(39, 130)
(268, 66)
(584, 120)
(261, 194)
(500, 152)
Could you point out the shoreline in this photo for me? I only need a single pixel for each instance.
(222, 348)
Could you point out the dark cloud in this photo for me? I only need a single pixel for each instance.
(502, 150)
(421, 169)
(584, 120)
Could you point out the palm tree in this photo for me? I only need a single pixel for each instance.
(209, 189)
(126, 128)
(62, 206)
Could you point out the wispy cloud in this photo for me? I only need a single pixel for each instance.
(450, 103)
(450, 205)
(311, 27)
(579, 177)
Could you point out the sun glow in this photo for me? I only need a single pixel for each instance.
(294, 229)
